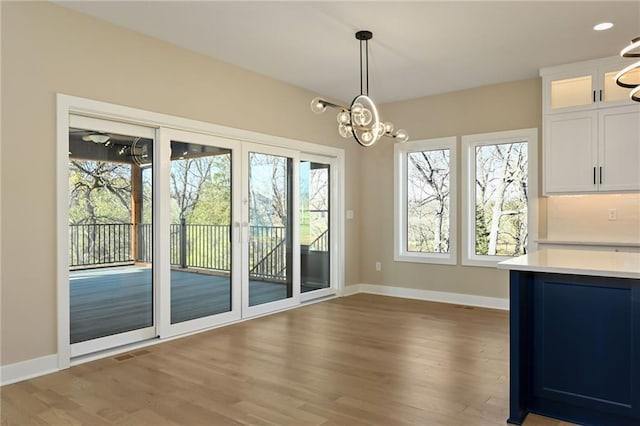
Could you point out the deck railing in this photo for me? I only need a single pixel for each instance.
(191, 246)
(99, 244)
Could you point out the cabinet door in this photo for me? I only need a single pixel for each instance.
(612, 94)
(619, 150)
(570, 92)
(570, 152)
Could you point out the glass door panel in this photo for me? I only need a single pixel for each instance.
(572, 92)
(110, 203)
(615, 93)
(269, 209)
(200, 234)
(315, 268)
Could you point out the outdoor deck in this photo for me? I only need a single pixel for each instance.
(113, 300)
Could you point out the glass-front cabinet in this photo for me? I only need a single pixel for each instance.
(584, 85)
(591, 129)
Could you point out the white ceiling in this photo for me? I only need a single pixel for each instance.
(418, 48)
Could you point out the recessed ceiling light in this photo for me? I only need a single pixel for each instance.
(603, 26)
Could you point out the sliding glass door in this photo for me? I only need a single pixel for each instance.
(111, 268)
(271, 262)
(171, 231)
(315, 207)
(204, 289)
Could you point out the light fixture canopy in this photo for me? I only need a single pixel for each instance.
(625, 76)
(96, 138)
(361, 119)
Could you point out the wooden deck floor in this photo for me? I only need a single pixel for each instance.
(358, 360)
(114, 300)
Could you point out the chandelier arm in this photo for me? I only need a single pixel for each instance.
(623, 73)
(628, 52)
(334, 105)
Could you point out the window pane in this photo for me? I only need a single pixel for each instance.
(270, 250)
(428, 201)
(200, 231)
(501, 199)
(110, 234)
(314, 226)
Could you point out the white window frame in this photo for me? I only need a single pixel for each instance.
(469, 144)
(401, 253)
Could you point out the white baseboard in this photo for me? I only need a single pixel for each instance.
(429, 295)
(24, 370)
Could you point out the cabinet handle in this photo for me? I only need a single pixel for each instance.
(600, 175)
(594, 96)
(594, 175)
(600, 95)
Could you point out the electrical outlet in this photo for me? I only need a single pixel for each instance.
(613, 214)
(378, 266)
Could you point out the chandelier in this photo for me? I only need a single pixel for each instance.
(361, 120)
(625, 77)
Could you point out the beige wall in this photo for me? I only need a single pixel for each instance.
(495, 108)
(48, 49)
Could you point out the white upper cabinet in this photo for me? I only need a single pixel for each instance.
(570, 162)
(584, 85)
(591, 130)
(619, 149)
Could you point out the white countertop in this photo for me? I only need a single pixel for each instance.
(578, 262)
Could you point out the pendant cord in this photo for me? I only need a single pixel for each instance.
(361, 83)
(366, 55)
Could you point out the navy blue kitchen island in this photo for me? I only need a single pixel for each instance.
(575, 336)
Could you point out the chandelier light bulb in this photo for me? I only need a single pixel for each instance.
(401, 135)
(365, 116)
(318, 106)
(345, 130)
(343, 117)
(356, 108)
(358, 119)
(366, 136)
(388, 127)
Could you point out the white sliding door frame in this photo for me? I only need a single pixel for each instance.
(334, 231)
(166, 328)
(251, 311)
(164, 125)
(120, 339)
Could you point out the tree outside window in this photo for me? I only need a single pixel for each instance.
(425, 201)
(501, 199)
(428, 201)
(499, 211)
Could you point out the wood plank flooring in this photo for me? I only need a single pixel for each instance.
(114, 300)
(358, 360)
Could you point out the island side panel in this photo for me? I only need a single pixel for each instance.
(520, 329)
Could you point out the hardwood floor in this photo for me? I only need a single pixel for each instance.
(357, 360)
